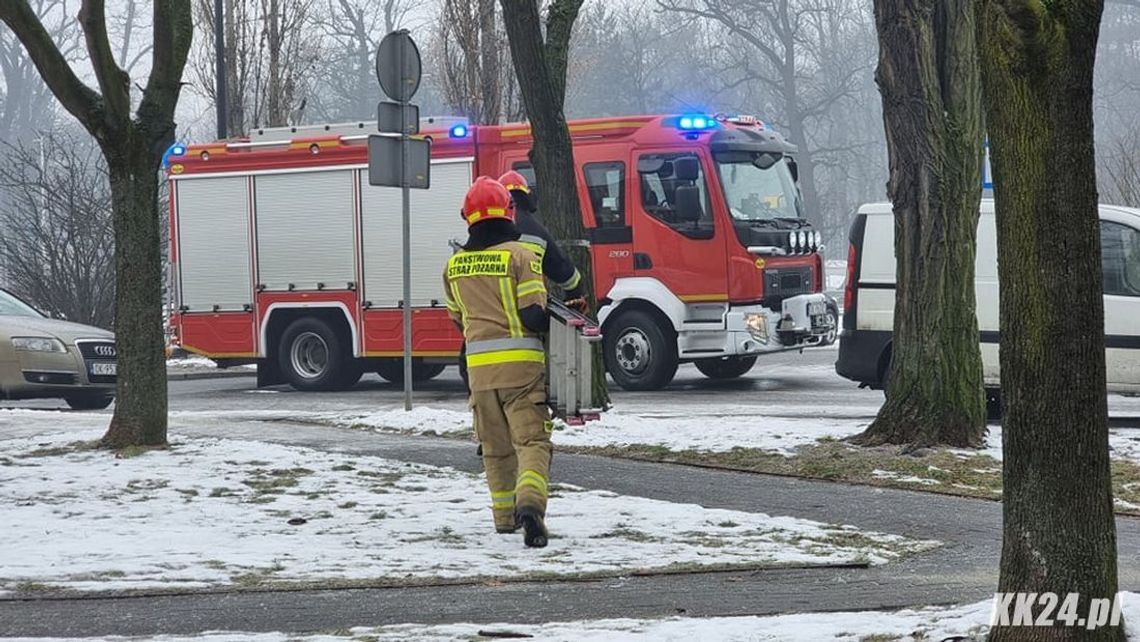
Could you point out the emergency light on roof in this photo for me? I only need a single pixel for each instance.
(177, 149)
(458, 130)
(694, 122)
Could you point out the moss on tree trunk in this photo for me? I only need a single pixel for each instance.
(930, 86)
(1058, 528)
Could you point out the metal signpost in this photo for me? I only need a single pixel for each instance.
(399, 161)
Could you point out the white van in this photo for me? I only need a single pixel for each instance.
(869, 297)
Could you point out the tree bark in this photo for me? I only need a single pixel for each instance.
(929, 80)
(541, 70)
(140, 409)
(1058, 529)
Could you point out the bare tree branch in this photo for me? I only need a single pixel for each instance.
(113, 81)
(77, 98)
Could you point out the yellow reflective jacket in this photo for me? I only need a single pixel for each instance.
(485, 291)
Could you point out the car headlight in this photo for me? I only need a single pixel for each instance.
(38, 344)
(757, 325)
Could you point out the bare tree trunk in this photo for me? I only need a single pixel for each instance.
(541, 70)
(235, 107)
(929, 80)
(277, 106)
(1059, 534)
(140, 409)
(491, 107)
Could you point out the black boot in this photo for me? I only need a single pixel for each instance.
(534, 529)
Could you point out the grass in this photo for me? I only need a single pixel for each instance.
(67, 449)
(942, 471)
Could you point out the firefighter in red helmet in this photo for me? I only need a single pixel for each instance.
(555, 264)
(497, 296)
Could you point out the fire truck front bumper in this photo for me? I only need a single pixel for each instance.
(802, 322)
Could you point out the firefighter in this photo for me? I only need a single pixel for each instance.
(497, 296)
(555, 264)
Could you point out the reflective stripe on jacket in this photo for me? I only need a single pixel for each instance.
(485, 291)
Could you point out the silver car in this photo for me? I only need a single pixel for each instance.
(45, 358)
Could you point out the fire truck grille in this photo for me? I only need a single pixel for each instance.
(783, 283)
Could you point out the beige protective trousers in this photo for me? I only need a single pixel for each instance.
(513, 425)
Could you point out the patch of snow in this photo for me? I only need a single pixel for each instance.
(930, 623)
(1122, 443)
(617, 428)
(216, 511)
(906, 479)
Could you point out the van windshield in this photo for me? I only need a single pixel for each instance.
(756, 194)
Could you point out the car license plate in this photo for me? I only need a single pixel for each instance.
(103, 369)
(816, 309)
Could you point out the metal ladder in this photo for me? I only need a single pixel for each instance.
(570, 364)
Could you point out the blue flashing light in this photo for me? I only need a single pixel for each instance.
(694, 122)
(177, 149)
(459, 130)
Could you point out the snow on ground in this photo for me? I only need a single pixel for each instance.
(216, 511)
(931, 623)
(1123, 443)
(193, 362)
(616, 428)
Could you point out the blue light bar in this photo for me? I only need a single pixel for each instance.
(694, 122)
(177, 149)
(459, 130)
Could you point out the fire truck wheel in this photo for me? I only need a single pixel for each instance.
(639, 354)
(729, 368)
(393, 370)
(312, 357)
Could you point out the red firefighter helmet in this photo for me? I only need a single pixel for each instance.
(514, 182)
(487, 199)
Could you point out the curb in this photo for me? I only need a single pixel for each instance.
(220, 374)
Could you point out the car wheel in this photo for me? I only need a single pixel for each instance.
(729, 368)
(312, 357)
(89, 402)
(393, 370)
(639, 354)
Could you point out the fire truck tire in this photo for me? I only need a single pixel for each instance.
(728, 368)
(639, 353)
(393, 370)
(312, 357)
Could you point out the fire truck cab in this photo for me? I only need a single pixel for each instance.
(283, 255)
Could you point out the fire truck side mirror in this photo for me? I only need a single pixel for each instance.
(688, 202)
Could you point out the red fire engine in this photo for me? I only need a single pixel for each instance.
(282, 254)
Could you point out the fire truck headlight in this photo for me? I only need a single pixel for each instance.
(757, 325)
(793, 240)
(817, 239)
(804, 240)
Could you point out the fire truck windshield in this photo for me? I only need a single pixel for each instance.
(756, 193)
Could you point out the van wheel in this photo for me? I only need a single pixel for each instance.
(393, 370)
(639, 354)
(89, 402)
(312, 357)
(728, 368)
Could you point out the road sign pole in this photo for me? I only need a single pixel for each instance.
(407, 216)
